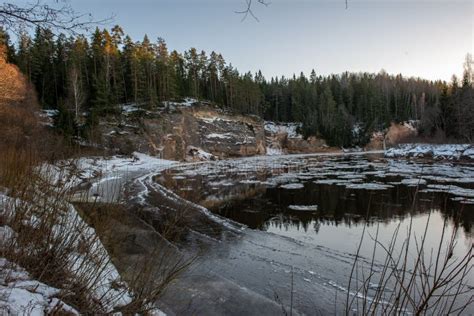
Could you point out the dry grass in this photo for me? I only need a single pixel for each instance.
(18, 107)
(50, 240)
(414, 279)
(57, 247)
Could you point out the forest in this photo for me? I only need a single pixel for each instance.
(89, 77)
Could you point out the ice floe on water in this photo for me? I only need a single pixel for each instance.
(332, 181)
(463, 200)
(303, 207)
(352, 176)
(413, 182)
(293, 172)
(303, 204)
(369, 186)
(292, 186)
(250, 182)
(451, 189)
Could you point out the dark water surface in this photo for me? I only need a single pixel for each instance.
(305, 217)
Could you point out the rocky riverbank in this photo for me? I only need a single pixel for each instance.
(195, 131)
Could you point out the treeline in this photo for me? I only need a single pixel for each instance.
(86, 78)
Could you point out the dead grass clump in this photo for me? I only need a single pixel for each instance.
(51, 241)
(413, 278)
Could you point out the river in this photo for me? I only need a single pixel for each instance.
(280, 235)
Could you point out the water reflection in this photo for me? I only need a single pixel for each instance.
(348, 191)
(308, 214)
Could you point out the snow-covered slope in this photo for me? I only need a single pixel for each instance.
(20, 294)
(435, 151)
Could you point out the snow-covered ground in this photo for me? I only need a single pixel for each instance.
(187, 102)
(22, 295)
(274, 129)
(271, 151)
(219, 135)
(411, 125)
(198, 154)
(47, 117)
(436, 151)
(129, 108)
(291, 129)
(103, 176)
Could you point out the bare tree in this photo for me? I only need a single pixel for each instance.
(468, 68)
(77, 92)
(57, 15)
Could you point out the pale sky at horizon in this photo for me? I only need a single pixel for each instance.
(421, 38)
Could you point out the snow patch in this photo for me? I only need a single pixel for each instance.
(196, 153)
(274, 151)
(436, 151)
(186, 102)
(220, 136)
(21, 295)
(290, 129)
(129, 108)
(413, 182)
(47, 117)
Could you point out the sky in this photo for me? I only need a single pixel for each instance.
(422, 38)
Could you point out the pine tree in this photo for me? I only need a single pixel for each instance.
(23, 57)
(42, 67)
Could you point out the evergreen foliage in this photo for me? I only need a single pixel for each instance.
(94, 76)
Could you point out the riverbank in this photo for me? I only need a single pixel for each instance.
(432, 151)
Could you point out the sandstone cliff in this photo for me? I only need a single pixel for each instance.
(194, 131)
(284, 138)
(198, 132)
(397, 133)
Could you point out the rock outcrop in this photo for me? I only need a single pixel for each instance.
(194, 131)
(397, 133)
(284, 138)
(185, 133)
(402, 132)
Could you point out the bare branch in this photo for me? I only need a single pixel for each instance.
(59, 17)
(248, 9)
